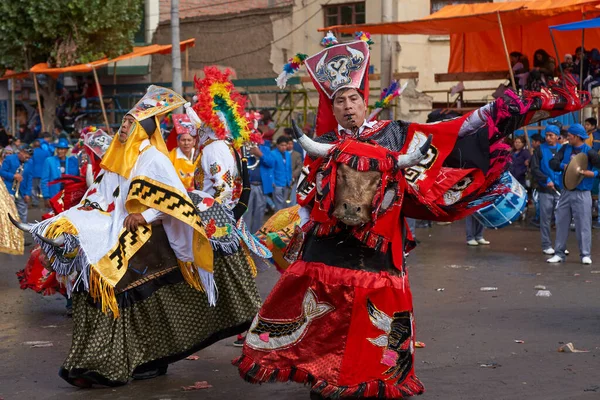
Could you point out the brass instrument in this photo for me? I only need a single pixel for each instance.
(246, 154)
(17, 184)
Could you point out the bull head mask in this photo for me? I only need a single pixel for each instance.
(318, 150)
(359, 180)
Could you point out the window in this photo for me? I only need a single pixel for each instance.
(139, 38)
(345, 14)
(436, 5)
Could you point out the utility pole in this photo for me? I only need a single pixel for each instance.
(386, 52)
(176, 50)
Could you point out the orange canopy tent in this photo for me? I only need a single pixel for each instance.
(43, 68)
(10, 74)
(475, 30)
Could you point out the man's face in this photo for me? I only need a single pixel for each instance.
(574, 140)
(61, 153)
(589, 127)
(24, 156)
(551, 138)
(349, 109)
(290, 146)
(535, 144)
(126, 128)
(282, 147)
(186, 142)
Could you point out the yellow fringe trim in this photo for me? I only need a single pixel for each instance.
(250, 260)
(101, 291)
(190, 274)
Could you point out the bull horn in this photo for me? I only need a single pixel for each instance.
(59, 241)
(415, 157)
(312, 148)
(21, 225)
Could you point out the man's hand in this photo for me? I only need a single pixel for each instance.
(255, 151)
(587, 173)
(18, 177)
(133, 221)
(550, 185)
(27, 199)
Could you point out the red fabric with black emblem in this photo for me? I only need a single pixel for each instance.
(335, 353)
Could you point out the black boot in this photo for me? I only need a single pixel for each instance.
(148, 372)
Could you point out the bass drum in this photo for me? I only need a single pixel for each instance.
(507, 208)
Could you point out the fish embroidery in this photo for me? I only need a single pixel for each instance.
(270, 334)
(397, 341)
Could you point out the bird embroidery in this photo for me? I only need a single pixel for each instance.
(396, 341)
(270, 334)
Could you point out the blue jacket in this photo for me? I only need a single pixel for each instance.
(9, 167)
(596, 144)
(264, 173)
(564, 155)
(39, 157)
(282, 170)
(540, 167)
(52, 172)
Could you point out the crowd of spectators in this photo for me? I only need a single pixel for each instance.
(275, 178)
(581, 65)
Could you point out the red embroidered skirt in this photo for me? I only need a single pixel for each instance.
(345, 332)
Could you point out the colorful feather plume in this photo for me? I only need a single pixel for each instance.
(390, 93)
(387, 95)
(220, 107)
(329, 40)
(364, 36)
(290, 69)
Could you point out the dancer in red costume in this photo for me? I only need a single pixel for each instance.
(341, 317)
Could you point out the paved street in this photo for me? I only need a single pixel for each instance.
(463, 328)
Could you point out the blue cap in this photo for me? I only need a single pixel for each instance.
(552, 128)
(578, 130)
(62, 144)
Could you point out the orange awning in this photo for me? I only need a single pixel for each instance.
(475, 40)
(42, 68)
(462, 18)
(9, 74)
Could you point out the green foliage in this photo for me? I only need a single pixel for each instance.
(65, 32)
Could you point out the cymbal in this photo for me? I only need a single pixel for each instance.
(571, 175)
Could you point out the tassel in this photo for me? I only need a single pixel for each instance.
(200, 280)
(364, 36)
(101, 291)
(329, 40)
(290, 69)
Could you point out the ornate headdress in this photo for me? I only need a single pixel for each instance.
(338, 66)
(156, 102)
(221, 108)
(121, 157)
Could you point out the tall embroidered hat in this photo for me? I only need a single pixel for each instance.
(156, 102)
(182, 124)
(336, 67)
